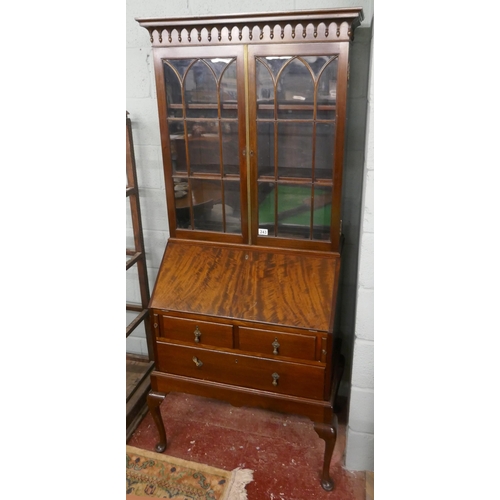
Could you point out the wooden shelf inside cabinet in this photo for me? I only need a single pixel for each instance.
(139, 368)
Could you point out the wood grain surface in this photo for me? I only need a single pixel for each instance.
(240, 282)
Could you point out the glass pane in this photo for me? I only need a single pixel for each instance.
(322, 214)
(315, 63)
(295, 149)
(182, 204)
(326, 111)
(219, 64)
(229, 92)
(180, 65)
(177, 146)
(266, 195)
(294, 202)
(265, 148)
(205, 195)
(295, 87)
(265, 90)
(207, 205)
(275, 63)
(202, 95)
(200, 89)
(173, 90)
(204, 144)
(327, 86)
(232, 206)
(230, 143)
(324, 150)
(294, 211)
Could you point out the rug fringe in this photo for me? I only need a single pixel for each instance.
(239, 479)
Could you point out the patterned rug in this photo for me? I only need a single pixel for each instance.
(156, 475)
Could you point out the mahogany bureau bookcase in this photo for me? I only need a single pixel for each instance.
(252, 112)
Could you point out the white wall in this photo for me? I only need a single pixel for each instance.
(142, 106)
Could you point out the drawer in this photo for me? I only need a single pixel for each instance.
(278, 344)
(197, 332)
(284, 377)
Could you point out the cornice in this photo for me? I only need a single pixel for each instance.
(320, 25)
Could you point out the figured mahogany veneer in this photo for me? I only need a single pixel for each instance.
(269, 286)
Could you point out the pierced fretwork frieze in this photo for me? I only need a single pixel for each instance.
(173, 32)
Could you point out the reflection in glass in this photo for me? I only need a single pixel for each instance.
(173, 88)
(232, 204)
(293, 217)
(180, 65)
(296, 79)
(204, 152)
(327, 84)
(295, 149)
(266, 200)
(207, 205)
(202, 205)
(296, 209)
(295, 85)
(218, 65)
(265, 148)
(200, 84)
(324, 150)
(326, 112)
(229, 91)
(202, 110)
(230, 155)
(177, 146)
(205, 195)
(322, 214)
(303, 120)
(182, 204)
(265, 90)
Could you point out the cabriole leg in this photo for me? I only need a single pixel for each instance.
(154, 401)
(328, 432)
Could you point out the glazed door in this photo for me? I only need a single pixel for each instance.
(296, 113)
(202, 120)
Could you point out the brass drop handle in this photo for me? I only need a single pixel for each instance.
(197, 334)
(197, 362)
(275, 379)
(276, 346)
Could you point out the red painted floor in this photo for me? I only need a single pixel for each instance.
(284, 451)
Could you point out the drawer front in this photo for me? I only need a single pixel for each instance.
(278, 344)
(197, 332)
(282, 377)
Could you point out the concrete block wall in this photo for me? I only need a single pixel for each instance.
(361, 428)
(142, 105)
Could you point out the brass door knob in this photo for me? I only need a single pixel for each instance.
(197, 362)
(275, 379)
